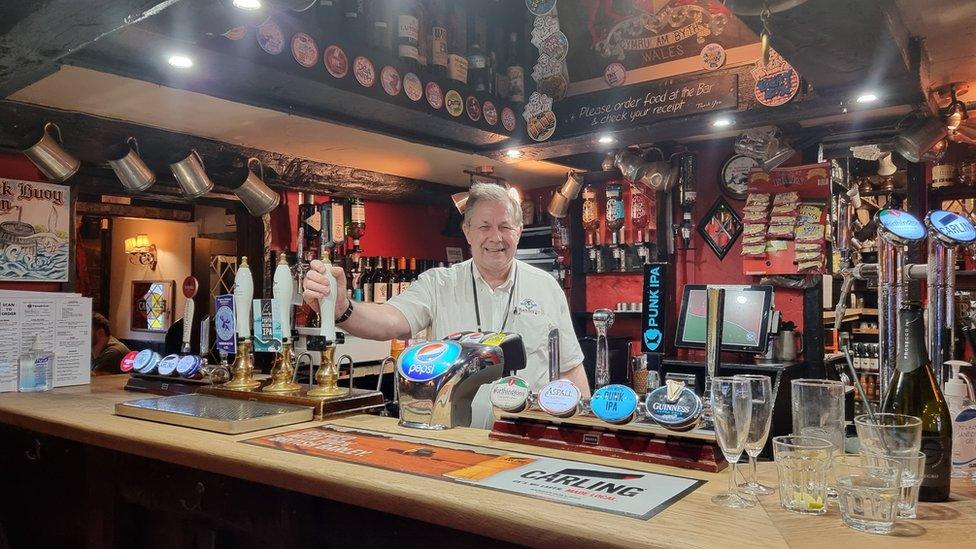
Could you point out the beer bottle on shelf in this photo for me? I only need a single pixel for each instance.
(913, 391)
(457, 61)
(514, 70)
(438, 38)
(477, 55)
(423, 36)
(408, 34)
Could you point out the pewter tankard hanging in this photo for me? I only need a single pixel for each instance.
(254, 193)
(191, 176)
(129, 167)
(53, 161)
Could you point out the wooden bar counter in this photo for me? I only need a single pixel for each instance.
(109, 481)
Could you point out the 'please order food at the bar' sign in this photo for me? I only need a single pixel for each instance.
(644, 103)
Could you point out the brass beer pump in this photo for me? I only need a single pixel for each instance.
(283, 371)
(242, 371)
(327, 376)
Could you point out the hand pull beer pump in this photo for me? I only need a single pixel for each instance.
(283, 372)
(242, 371)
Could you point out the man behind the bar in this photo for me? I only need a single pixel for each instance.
(107, 351)
(512, 296)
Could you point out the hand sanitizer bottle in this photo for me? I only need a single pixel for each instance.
(36, 369)
(959, 396)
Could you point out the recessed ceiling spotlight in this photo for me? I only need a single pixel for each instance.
(867, 98)
(606, 139)
(249, 5)
(180, 61)
(514, 153)
(723, 122)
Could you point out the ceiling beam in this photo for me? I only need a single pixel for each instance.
(89, 139)
(35, 35)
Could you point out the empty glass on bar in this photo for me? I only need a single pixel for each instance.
(732, 412)
(886, 434)
(868, 491)
(912, 471)
(801, 466)
(762, 413)
(818, 410)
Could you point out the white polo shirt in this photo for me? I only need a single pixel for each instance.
(442, 300)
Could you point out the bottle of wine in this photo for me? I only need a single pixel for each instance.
(380, 35)
(457, 41)
(516, 74)
(478, 70)
(393, 280)
(438, 38)
(914, 391)
(414, 273)
(367, 280)
(381, 282)
(408, 34)
(405, 277)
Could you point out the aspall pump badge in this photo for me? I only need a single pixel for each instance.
(429, 360)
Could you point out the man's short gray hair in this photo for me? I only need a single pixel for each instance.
(489, 192)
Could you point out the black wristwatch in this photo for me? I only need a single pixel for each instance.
(345, 316)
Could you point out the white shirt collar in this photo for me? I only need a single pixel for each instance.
(504, 286)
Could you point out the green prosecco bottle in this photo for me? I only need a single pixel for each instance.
(914, 391)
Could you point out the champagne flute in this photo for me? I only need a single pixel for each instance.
(762, 413)
(732, 412)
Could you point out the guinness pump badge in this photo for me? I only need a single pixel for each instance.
(674, 406)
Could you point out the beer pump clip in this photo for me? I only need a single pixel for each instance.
(242, 371)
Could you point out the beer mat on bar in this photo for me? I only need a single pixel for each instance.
(626, 492)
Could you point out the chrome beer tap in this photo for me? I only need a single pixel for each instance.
(603, 320)
(946, 230)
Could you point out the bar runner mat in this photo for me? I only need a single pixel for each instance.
(625, 492)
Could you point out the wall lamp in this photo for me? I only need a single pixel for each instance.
(141, 251)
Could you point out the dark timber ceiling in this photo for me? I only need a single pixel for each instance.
(837, 46)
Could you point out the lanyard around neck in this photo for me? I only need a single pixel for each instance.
(508, 308)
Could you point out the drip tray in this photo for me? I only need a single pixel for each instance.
(213, 413)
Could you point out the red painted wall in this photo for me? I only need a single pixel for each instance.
(16, 166)
(698, 265)
(392, 229)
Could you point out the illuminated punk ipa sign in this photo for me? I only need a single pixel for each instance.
(655, 308)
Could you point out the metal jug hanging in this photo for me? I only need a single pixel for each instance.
(53, 161)
(129, 167)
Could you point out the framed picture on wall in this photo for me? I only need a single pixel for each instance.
(152, 305)
(720, 227)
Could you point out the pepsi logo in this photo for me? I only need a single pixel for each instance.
(427, 361)
(430, 352)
